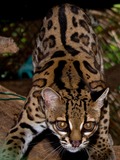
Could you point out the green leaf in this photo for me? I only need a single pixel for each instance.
(114, 48)
(23, 40)
(116, 6)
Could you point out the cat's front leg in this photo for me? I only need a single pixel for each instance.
(31, 123)
(103, 153)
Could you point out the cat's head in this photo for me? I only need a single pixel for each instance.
(73, 120)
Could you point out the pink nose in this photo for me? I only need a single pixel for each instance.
(75, 143)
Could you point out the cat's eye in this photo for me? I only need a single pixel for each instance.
(61, 125)
(89, 126)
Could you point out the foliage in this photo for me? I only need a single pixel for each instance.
(109, 34)
(108, 31)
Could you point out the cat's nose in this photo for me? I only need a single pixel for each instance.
(75, 143)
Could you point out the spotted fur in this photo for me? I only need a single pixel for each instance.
(69, 94)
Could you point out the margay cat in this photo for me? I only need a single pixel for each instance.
(69, 94)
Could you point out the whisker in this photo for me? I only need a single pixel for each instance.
(56, 154)
(62, 150)
(43, 153)
(85, 149)
(51, 153)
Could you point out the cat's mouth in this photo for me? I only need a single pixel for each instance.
(72, 149)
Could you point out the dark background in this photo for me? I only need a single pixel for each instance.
(33, 9)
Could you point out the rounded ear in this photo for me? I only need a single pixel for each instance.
(49, 96)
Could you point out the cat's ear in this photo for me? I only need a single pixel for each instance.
(100, 100)
(50, 96)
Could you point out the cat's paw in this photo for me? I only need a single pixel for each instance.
(102, 158)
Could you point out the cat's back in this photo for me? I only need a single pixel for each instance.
(67, 40)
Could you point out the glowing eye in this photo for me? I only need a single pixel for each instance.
(89, 126)
(61, 125)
